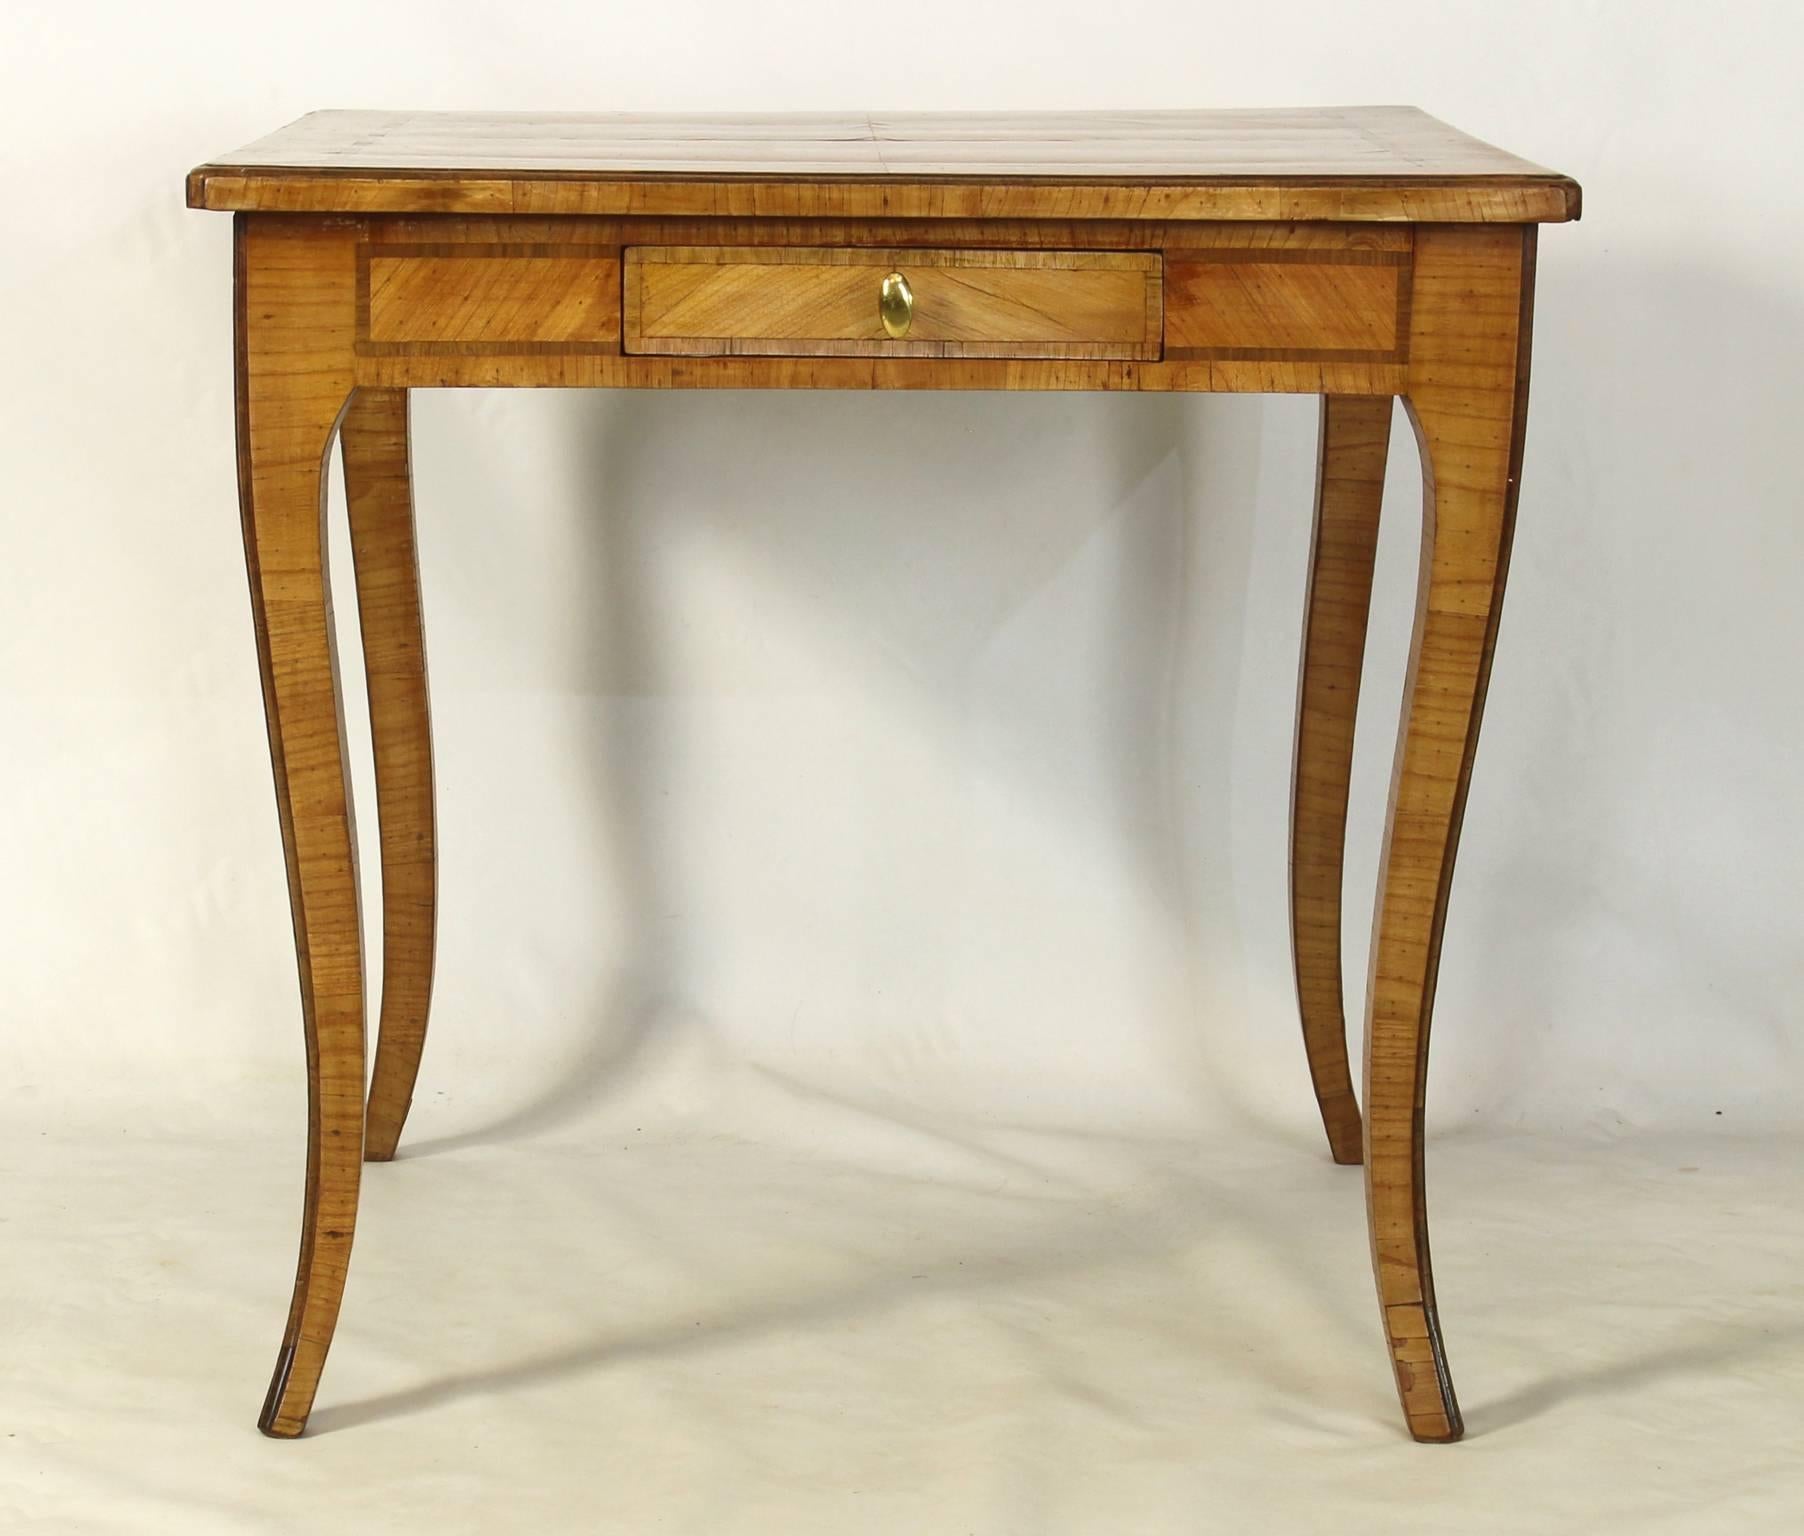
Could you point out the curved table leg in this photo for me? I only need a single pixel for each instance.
(379, 491)
(1468, 392)
(1355, 442)
(293, 381)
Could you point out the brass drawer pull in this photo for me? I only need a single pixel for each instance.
(896, 305)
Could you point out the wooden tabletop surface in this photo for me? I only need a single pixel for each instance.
(1358, 163)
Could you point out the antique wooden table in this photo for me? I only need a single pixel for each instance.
(1353, 253)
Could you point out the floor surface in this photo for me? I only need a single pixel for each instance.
(933, 1327)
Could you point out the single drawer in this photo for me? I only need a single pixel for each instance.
(791, 301)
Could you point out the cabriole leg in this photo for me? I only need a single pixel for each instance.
(1468, 391)
(293, 379)
(379, 491)
(1355, 442)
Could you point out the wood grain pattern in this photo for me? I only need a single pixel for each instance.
(1350, 306)
(379, 494)
(1046, 232)
(573, 364)
(1467, 397)
(821, 301)
(1365, 163)
(293, 313)
(424, 298)
(903, 373)
(1354, 445)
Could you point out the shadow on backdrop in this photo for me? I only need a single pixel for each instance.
(981, 527)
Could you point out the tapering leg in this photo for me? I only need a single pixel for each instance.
(379, 490)
(1355, 441)
(293, 351)
(1468, 392)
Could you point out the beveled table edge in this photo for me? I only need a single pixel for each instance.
(1492, 199)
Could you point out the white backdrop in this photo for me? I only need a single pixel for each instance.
(815, 766)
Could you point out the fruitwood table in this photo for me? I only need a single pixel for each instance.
(1358, 254)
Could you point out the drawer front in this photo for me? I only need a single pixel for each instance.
(824, 302)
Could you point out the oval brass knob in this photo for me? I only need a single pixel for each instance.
(896, 305)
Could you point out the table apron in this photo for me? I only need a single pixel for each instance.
(503, 301)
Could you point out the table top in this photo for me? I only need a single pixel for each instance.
(1339, 163)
